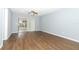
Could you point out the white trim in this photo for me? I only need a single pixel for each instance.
(23, 31)
(62, 36)
(6, 23)
(1, 45)
(8, 36)
(3, 40)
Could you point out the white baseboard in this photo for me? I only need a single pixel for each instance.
(1, 44)
(23, 31)
(8, 37)
(62, 36)
(3, 40)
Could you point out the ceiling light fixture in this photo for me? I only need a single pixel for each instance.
(33, 13)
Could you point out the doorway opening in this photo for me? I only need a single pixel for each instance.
(22, 24)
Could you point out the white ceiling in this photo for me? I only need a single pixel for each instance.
(41, 11)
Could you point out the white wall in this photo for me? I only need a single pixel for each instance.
(33, 26)
(14, 23)
(7, 24)
(37, 26)
(0, 26)
(2, 18)
(64, 22)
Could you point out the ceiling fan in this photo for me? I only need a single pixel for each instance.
(33, 13)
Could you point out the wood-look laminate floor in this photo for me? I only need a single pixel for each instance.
(38, 41)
